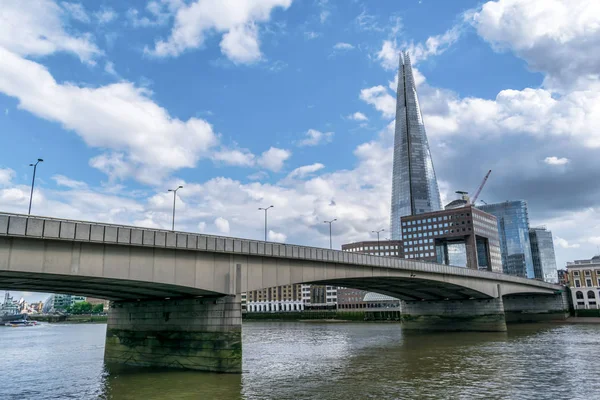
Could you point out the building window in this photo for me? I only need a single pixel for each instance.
(575, 273)
(579, 295)
(577, 283)
(588, 282)
(588, 273)
(591, 295)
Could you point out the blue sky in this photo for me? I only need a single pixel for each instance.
(290, 102)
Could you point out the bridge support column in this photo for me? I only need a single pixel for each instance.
(201, 334)
(536, 307)
(454, 315)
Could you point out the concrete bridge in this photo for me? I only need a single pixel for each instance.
(176, 295)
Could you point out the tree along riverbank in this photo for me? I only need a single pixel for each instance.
(70, 319)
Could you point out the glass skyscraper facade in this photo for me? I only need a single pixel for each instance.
(513, 227)
(542, 251)
(414, 185)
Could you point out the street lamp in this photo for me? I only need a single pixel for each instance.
(330, 222)
(39, 160)
(378, 247)
(265, 210)
(174, 197)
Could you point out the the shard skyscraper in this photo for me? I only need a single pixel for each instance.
(414, 185)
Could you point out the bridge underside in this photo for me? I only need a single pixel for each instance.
(408, 289)
(98, 287)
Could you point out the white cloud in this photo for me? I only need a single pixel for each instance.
(434, 45)
(358, 116)
(106, 15)
(304, 171)
(310, 35)
(563, 243)
(222, 225)
(389, 55)
(379, 97)
(240, 44)
(560, 38)
(76, 11)
(274, 158)
(109, 68)
(62, 180)
(6, 176)
(143, 136)
(277, 237)
(34, 28)
(236, 19)
(343, 46)
(595, 240)
(313, 137)
(556, 161)
(238, 157)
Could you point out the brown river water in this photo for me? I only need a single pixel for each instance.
(322, 361)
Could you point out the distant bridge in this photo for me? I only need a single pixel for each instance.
(194, 274)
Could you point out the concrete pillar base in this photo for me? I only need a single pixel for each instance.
(454, 315)
(534, 308)
(200, 334)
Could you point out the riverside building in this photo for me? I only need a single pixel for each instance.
(513, 227)
(584, 283)
(542, 252)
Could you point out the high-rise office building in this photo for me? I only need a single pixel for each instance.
(414, 185)
(513, 227)
(542, 252)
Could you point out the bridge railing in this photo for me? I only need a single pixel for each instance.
(88, 231)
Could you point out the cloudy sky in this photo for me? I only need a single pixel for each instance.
(250, 103)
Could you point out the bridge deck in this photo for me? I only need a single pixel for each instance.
(18, 225)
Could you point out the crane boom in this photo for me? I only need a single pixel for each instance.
(481, 187)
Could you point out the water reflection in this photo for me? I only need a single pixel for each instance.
(318, 361)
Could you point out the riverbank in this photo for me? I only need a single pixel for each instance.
(324, 316)
(70, 319)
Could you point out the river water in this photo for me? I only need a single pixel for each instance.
(318, 361)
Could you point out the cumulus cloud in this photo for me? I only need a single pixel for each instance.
(304, 171)
(277, 236)
(563, 243)
(222, 225)
(105, 15)
(313, 137)
(62, 180)
(555, 37)
(274, 158)
(380, 98)
(40, 31)
(343, 46)
(6, 176)
(76, 11)
(144, 140)
(237, 157)
(236, 19)
(556, 161)
(358, 116)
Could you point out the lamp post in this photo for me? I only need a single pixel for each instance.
(330, 222)
(174, 197)
(39, 160)
(265, 210)
(378, 247)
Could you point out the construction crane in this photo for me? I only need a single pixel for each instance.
(474, 199)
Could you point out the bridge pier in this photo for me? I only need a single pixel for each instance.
(484, 315)
(197, 333)
(536, 307)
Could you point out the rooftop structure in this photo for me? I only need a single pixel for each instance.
(414, 185)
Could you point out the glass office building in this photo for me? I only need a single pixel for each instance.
(542, 252)
(414, 185)
(513, 227)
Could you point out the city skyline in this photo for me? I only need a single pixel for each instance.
(414, 185)
(243, 124)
